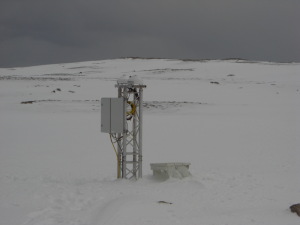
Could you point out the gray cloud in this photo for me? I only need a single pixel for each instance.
(44, 31)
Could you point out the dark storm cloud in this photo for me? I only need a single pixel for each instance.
(44, 31)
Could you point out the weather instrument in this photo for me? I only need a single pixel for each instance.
(122, 118)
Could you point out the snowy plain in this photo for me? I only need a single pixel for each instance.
(237, 123)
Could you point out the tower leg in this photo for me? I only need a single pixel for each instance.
(140, 132)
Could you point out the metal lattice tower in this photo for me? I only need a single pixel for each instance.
(130, 155)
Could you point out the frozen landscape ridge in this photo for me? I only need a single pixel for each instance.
(236, 122)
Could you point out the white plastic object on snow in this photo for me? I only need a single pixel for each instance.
(166, 170)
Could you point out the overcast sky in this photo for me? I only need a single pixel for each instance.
(57, 31)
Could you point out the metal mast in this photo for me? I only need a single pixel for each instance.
(130, 141)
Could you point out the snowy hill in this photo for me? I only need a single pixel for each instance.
(236, 122)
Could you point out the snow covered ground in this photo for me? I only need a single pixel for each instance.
(236, 122)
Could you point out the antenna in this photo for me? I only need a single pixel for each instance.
(122, 118)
